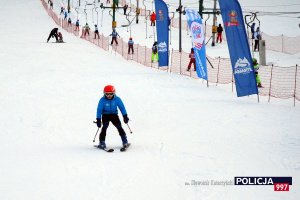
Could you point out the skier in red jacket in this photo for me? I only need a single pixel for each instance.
(152, 19)
(192, 60)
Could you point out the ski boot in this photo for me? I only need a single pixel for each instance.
(124, 141)
(102, 145)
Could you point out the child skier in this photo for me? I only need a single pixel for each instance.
(96, 32)
(130, 45)
(154, 56)
(107, 111)
(114, 35)
(256, 68)
(77, 25)
(86, 30)
(60, 37)
(192, 60)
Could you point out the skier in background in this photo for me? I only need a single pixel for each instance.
(60, 37)
(152, 19)
(154, 56)
(96, 32)
(114, 35)
(107, 111)
(86, 30)
(52, 34)
(77, 25)
(125, 8)
(256, 68)
(130, 45)
(257, 37)
(69, 22)
(192, 60)
(66, 15)
(220, 31)
(61, 10)
(252, 30)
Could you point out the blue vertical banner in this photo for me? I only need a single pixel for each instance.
(162, 29)
(238, 46)
(198, 37)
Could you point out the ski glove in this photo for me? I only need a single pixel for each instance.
(98, 122)
(126, 119)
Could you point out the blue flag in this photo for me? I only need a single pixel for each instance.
(238, 46)
(197, 30)
(162, 28)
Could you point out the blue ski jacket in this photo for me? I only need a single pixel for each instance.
(109, 106)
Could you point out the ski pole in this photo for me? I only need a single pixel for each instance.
(96, 134)
(129, 128)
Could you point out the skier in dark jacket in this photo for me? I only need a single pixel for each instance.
(154, 55)
(107, 111)
(114, 35)
(130, 45)
(220, 31)
(53, 33)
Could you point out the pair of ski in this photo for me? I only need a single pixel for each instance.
(124, 148)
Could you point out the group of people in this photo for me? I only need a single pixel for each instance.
(256, 35)
(54, 33)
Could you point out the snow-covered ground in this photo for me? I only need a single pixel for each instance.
(182, 130)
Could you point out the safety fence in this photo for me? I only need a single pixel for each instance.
(278, 82)
(284, 44)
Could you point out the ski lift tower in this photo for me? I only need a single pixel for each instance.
(114, 23)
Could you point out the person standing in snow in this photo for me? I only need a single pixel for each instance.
(192, 60)
(257, 37)
(152, 18)
(96, 32)
(114, 35)
(107, 111)
(220, 31)
(69, 22)
(60, 37)
(256, 68)
(86, 30)
(125, 8)
(154, 56)
(77, 25)
(62, 9)
(130, 45)
(53, 33)
(252, 30)
(51, 4)
(66, 15)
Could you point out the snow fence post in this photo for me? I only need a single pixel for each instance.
(270, 83)
(295, 85)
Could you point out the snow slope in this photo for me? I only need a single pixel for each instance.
(182, 130)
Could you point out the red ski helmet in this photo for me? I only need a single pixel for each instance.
(109, 89)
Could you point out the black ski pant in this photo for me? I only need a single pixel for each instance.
(256, 45)
(114, 39)
(51, 35)
(114, 119)
(130, 47)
